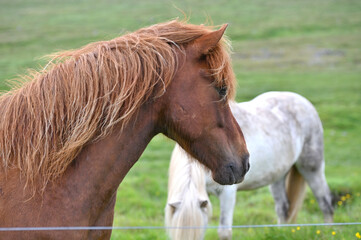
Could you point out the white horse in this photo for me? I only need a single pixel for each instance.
(284, 136)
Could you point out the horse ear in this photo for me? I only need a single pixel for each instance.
(203, 203)
(207, 42)
(174, 205)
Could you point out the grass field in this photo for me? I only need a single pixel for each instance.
(309, 47)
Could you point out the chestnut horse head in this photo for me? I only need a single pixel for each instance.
(196, 111)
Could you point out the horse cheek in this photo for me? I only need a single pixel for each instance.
(187, 122)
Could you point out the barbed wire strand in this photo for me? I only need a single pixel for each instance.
(79, 228)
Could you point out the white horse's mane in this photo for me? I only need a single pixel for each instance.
(187, 192)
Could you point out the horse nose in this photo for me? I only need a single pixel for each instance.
(246, 164)
(240, 171)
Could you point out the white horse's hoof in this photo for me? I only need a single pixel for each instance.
(225, 234)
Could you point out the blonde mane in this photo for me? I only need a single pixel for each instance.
(83, 93)
(186, 188)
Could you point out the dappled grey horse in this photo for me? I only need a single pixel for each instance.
(284, 136)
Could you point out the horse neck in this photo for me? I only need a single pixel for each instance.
(93, 178)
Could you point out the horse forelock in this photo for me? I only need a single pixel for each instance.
(186, 188)
(218, 59)
(83, 93)
(189, 220)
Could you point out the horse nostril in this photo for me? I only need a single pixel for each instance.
(231, 166)
(246, 164)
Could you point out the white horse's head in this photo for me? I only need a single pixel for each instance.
(187, 219)
(188, 207)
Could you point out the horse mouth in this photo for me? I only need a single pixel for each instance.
(232, 173)
(239, 180)
(228, 175)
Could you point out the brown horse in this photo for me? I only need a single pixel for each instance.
(71, 134)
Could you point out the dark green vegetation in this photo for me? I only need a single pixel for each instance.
(309, 47)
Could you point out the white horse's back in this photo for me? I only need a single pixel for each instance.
(275, 126)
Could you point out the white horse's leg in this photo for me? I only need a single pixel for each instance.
(317, 181)
(227, 198)
(278, 191)
(311, 165)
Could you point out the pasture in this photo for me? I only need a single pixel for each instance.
(309, 47)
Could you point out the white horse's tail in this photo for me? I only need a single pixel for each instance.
(188, 207)
(296, 188)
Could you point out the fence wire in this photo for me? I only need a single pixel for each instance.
(80, 228)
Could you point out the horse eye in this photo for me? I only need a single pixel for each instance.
(222, 91)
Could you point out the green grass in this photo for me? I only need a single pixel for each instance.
(309, 47)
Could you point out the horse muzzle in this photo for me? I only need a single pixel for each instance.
(232, 173)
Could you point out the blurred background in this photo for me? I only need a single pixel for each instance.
(312, 47)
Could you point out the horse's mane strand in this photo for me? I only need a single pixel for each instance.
(187, 187)
(83, 93)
